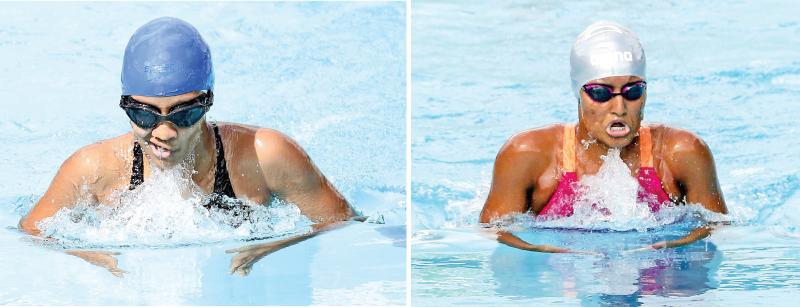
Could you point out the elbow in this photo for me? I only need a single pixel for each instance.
(348, 214)
(486, 216)
(345, 212)
(28, 225)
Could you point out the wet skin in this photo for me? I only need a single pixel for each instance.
(260, 162)
(527, 168)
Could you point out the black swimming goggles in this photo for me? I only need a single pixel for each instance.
(183, 115)
(603, 93)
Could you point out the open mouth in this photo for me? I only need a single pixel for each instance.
(160, 152)
(618, 129)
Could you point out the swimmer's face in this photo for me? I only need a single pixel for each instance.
(613, 123)
(167, 144)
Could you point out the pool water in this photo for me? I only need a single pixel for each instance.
(330, 75)
(728, 71)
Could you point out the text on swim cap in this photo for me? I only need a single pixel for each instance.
(611, 58)
(154, 71)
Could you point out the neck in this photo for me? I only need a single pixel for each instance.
(204, 157)
(590, 149)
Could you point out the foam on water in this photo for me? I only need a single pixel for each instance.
(167, 210)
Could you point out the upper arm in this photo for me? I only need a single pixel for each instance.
(72, 184)
(290, 173)
(692, 164)
(518, 164)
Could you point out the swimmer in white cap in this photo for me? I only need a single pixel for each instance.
(536, 171)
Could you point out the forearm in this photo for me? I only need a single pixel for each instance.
(270, 247)
(512, 240)
(316, 229)
(508, 238)
(249, 255)
(695, 235)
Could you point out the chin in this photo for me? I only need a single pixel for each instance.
(618, 143)
(164, 163)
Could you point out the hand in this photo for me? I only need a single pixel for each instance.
(249, 255)
(102, 259)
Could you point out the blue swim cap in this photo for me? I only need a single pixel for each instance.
(166, 57)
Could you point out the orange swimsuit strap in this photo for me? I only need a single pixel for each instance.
(568, 158)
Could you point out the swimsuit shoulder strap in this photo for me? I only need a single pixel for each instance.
(645, 147)
(222, 182)
(137, 171)
(568, 148)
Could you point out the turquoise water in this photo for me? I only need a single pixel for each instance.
(728, 71)
(330, 75)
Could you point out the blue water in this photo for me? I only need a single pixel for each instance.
(728, 71)
(330, 75)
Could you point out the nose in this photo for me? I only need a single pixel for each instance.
(165, 131)
(618, 106)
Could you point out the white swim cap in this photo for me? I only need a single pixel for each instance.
(605, 49)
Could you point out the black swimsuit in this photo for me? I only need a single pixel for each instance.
(222, 182)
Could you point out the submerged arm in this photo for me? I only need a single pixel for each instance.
(695, 235)
(248, 255)
(512, 240)
(103, 259)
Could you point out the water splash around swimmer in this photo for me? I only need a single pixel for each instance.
(167, 210)
(608, 200)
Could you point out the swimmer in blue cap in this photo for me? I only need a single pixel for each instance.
(537, 171)
(167, 88)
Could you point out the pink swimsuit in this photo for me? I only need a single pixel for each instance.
(560, 204)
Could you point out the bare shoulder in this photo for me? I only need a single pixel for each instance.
(102, 156)
(684, 153)
(270, 147)
(285, 165)
(97, 166)
(677, 142)
(264, 140)
(270, 143)
(533, 144)
(86, 173)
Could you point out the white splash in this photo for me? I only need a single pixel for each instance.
(167, 210)
(612, 190)
(608, 200)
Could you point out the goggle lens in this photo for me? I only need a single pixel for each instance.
(603, 93)
(188, 117)
(183, 117)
